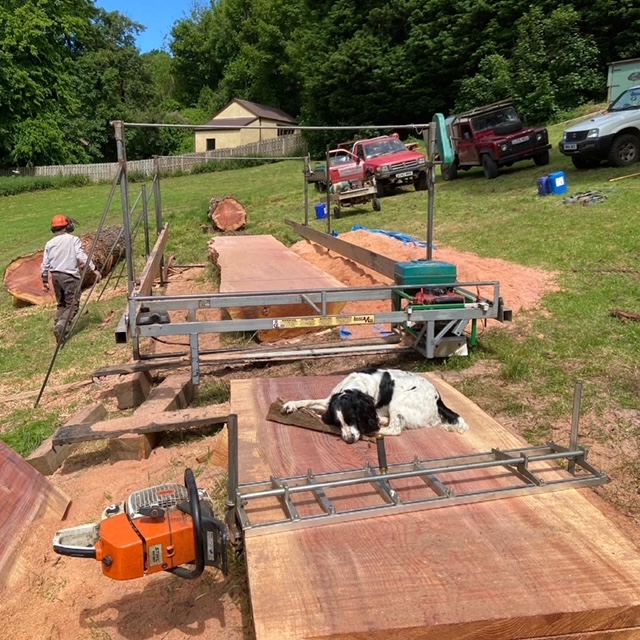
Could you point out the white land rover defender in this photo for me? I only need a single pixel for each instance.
(613, 135)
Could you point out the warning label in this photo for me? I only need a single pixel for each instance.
(322, 321)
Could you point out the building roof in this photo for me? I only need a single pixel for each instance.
(230, 122)
(263, 111)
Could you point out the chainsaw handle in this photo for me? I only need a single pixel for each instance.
(196, 516)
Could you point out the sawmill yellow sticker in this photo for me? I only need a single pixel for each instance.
(322, 321)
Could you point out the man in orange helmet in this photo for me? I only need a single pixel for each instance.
(64, 258)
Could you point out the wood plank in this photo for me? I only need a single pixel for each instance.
(528, 567)
(151, 270)
(167, 421)
(25, 496)
(280, 270)
(174, 392)
(47, 459)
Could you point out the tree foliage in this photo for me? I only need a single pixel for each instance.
(68, 68)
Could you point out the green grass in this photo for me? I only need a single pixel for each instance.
(595, 250)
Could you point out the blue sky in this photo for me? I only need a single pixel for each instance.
(157, 15)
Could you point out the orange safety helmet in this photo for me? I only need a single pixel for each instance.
(59, 222)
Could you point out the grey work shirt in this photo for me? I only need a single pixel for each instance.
(64, 253)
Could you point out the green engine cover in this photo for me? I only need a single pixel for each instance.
(425, 272)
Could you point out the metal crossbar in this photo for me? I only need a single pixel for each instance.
(518, 477)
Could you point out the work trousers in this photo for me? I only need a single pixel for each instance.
(66, 290)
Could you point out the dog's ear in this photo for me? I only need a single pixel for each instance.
(329, 416)
(365, 412)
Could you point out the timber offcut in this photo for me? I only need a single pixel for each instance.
(550, 565)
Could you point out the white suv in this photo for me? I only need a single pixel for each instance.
(613, 135)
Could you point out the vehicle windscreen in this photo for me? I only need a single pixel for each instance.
(340, 159)
(383, 147)
(492, 120)
(630, 99)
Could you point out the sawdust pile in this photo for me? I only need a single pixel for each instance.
(521, 288)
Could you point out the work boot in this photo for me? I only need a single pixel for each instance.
(58, 333)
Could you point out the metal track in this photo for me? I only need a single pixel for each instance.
(519, 479)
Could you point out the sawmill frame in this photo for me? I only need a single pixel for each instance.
(147, 316)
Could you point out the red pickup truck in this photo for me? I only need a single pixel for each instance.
(389, 163)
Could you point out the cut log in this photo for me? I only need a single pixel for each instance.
(227, 214)
(541, 566)
(23, 280)
(260, 264)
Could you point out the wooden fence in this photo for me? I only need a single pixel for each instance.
(292, 145)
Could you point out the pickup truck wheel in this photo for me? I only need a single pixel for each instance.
(541, 159)
(625, 150)
(585, 163)
(449, 171)
(376, 204)
(490, 167)
(421, 182)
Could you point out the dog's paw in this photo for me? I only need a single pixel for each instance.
(390, 431)
(288, 407)
(460, 427)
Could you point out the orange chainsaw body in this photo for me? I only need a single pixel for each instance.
(133, 548)
(160, 528)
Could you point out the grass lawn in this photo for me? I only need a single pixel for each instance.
(594, 248)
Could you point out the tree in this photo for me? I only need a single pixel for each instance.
(40, 40)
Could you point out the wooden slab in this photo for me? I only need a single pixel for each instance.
(262, 263)
(25, 495)
(519, 568)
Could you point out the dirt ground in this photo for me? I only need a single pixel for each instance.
(55, 598)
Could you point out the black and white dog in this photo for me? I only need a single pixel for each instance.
(382, 400)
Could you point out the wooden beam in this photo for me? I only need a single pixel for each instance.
(47, 459)
(377, 262)
(175, 392)
(167, 421)
(151, 270)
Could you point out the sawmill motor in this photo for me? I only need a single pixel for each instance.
(440, 294)
(157, 529)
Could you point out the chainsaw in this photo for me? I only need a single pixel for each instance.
(156, 529)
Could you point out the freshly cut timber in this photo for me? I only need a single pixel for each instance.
(261, 263)
(25, 496)
(22, 276)
(227, 214)
(549, 565)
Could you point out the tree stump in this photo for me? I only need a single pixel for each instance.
(227, 214)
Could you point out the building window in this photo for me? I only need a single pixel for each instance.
(285, 132)
(211, 144)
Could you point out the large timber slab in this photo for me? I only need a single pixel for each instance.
(25, 496)
(550, 565)
(261, 264)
